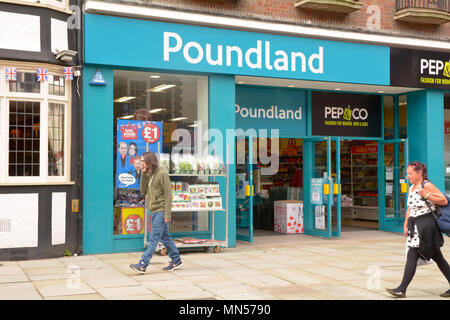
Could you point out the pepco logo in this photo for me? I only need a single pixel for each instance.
(447, 69)
(434, 67)
(347, 113)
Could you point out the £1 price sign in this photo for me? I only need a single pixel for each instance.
(133, 224)
(151, 133)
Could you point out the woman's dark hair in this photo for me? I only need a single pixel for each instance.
(150, 160)
(419, 166)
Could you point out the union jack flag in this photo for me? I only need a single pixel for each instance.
(11, 74)
(42, 74)
(68, 73)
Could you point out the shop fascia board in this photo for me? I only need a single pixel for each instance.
(323, 85)
(134, 11)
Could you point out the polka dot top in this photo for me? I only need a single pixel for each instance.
(417, 205)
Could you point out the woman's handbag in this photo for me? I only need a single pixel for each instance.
(441, 214)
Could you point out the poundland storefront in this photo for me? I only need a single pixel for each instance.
(202, 97)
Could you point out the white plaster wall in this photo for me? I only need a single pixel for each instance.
(20, 31)
(21, 210)
(59, 35)
(58, 218)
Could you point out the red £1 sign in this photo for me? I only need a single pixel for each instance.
(151, 133)
(133, 224)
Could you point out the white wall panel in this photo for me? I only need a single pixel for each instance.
(58, 218)
(20, 31)
(19, 220)
(59, 35)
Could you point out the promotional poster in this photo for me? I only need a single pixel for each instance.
(133, 139)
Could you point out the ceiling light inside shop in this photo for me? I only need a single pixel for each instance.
(337, 89)
(127, 117)
(193, 125)
(241, 82)
(123, 99)
(161, 87)
(380, 91)
(178, 119)
(154, 76)
(291, 86)
(156, 110)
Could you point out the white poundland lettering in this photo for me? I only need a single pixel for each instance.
(194, 53)
(271, 113)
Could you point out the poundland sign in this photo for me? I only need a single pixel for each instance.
(271, 108)
(234, 56)
(269, 113)
(129, 42)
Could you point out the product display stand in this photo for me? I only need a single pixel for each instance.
(364, 187)
(200, 243)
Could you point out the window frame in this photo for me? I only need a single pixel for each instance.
(63, 4)
(44, 98)
(51, 4)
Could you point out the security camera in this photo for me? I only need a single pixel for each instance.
(65, 55)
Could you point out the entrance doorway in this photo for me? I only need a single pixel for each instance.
(343, 185)
(275, 170)
(364, 183)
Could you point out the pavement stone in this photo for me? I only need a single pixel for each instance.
(19, 291)
(68, 287)
(359, 265)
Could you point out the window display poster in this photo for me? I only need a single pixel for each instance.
(133, 139)
(132, 220)
(389, 173)
(317, 191)
(319, 215)
(389, 188)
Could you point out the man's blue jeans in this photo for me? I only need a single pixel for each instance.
(160, 233)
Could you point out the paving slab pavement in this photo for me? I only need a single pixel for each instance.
(357, 266)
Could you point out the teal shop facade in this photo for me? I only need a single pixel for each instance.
(120, 44)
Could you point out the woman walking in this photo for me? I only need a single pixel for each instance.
(155, 184)
(423, 236)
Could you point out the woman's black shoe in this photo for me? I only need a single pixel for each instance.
(396, 293)
(446, 294)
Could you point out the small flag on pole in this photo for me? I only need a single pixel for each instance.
(42, 74)
(11, 74)
(68, 73)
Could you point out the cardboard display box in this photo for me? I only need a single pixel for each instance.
(288, 216)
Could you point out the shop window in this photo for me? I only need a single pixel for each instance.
(395, 127)
(26, 82)
(34, 134)
(56, 85)
(388, 117)
(56, 139)
(24, 143)
(179, 101)
(447, 141)
(402, 118)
